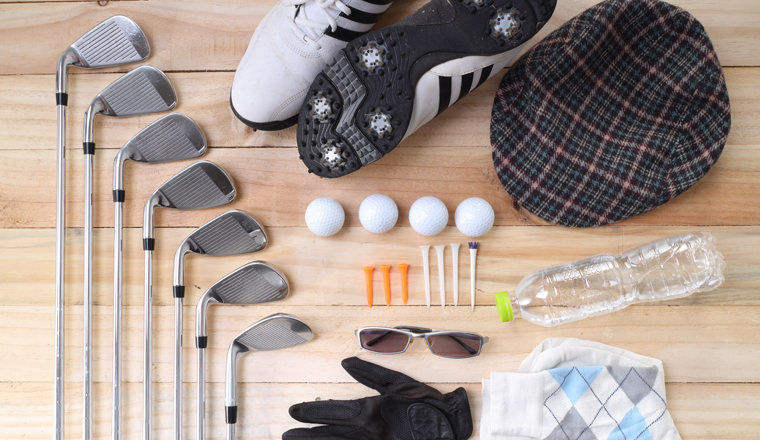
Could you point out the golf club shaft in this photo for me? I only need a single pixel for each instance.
(178, 369)
(201, 393)
(87, 396)
(148, 347)
(60, 224)
(230, 431)
(117, 276)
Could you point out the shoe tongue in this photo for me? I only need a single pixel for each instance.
(313, 12)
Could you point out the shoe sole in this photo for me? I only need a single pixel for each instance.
(359, 107)
(265, 126)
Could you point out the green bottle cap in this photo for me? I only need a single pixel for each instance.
(504, 306)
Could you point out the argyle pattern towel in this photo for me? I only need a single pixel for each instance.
(572, 389)
(603, 403)
(619, 110)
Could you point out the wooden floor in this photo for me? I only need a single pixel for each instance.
(710, 343)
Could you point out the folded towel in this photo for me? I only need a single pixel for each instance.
(571, 389)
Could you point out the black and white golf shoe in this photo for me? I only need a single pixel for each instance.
(386, 84)
(291, 45)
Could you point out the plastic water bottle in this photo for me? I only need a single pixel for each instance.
(669, 268)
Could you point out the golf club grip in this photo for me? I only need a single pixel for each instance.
(148, 347)
(201, 395)
(87, 381)
(117, 320)
(178, 369)
(60, 225)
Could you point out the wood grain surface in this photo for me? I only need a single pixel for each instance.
(709, 342)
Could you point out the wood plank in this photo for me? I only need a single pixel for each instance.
(28, 115)
(704, 411)
(328, 271)
(35, 34)
(696, 343)
(700, 411)
(266, 179)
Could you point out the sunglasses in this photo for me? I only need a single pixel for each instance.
(448, 344)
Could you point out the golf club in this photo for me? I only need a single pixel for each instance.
(271, 333)
(173, 137)
(143, 90)
(117, 40)
(200, 185)
(254, 283)
(232, 233)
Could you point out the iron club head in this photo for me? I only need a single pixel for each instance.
(115, 41)
(142, 91)
(232, 233)
(254, 283)
(172, 137)
(201, 185)
(271, 333)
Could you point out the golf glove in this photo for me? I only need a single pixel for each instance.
(404, 410)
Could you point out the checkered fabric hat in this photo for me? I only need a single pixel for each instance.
(621, 109)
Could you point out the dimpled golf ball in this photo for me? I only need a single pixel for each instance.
(325, 217)
(428, 216)
(378, 213)
(474, 217)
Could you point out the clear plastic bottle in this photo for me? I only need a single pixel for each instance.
(669, 268)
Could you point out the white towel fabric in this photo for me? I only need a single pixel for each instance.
(572, 389)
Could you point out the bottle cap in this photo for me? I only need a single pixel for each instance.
(504, 306)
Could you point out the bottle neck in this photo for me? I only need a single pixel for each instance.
(515, 305)
(507, 306)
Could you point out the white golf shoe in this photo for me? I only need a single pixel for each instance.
(291, 45)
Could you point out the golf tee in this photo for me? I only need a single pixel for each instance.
(473, 255)
(441, 279)
(386, 270)
(403, 269)
(368, 281)
(426, 269)
(455, 269)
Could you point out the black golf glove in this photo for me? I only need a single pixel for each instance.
(404, 410)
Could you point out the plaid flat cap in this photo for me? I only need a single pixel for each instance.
(621, 109)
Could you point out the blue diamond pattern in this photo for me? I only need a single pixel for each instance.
(575, 380)
(632, 427)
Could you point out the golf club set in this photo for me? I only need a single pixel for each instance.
(144, 90)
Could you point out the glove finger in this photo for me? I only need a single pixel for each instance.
(387, 381)
(324, 433)
(334, 412)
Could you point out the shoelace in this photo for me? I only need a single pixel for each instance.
(314, 28)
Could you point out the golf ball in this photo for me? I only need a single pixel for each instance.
(474, 217)
(325, 217)
(428, 216)
(378, 213)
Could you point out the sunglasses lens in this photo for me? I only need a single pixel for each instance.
(383, 341)
(455, 345)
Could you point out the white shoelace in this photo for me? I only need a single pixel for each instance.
(315, 28)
